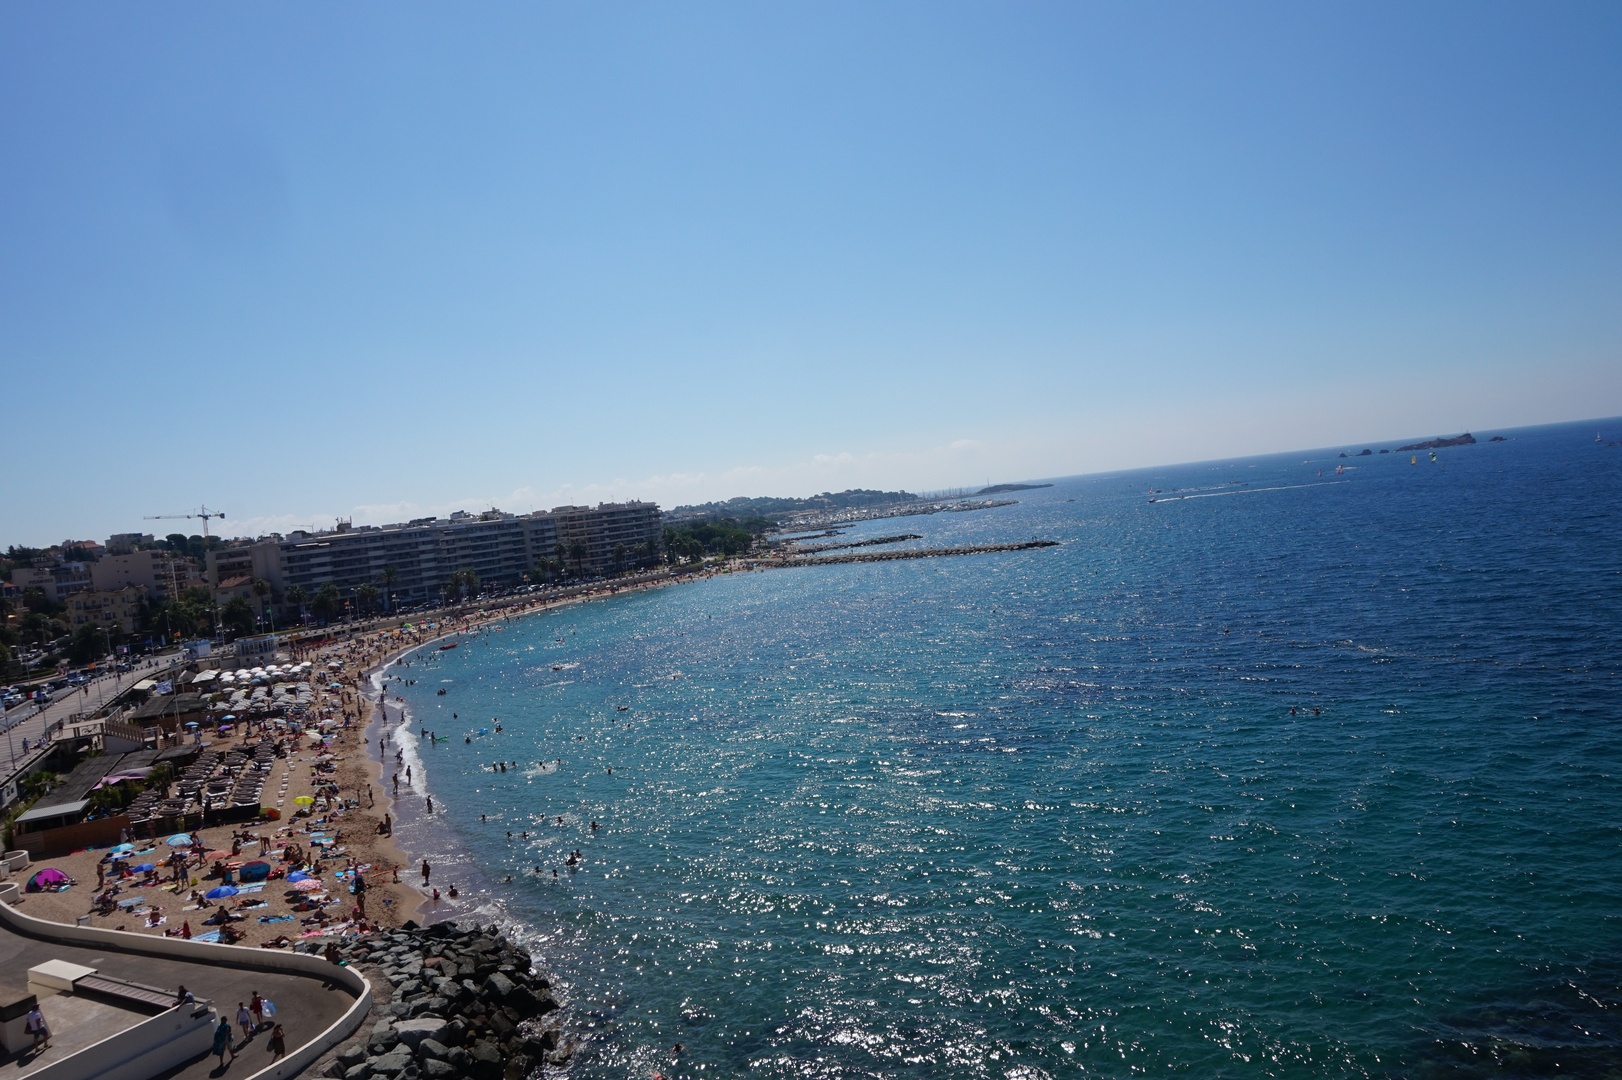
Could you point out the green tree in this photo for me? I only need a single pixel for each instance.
(577, 552)
(261, 589)
(298, 596)
(89, 643)
(326, 604)
(366, 597)
(619, 558)
(237, 616)
(390, 576)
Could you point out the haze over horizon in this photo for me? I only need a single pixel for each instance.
(304, 262)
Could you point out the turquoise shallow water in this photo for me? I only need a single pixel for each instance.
(1049, 813)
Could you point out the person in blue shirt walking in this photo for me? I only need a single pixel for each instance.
(222, 1041)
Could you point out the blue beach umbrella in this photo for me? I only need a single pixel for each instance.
(179, 840)
(143, 868)
(296, 875)
(119, 849)
(221, 892)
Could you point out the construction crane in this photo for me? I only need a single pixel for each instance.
(202, 512)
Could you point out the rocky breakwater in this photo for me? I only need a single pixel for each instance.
(466, 1003)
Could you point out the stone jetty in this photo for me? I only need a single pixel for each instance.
(466, 1002)
(909, 553)
(877, 541)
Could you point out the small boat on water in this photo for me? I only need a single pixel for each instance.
(452, 645)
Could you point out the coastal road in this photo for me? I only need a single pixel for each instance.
(30, 720)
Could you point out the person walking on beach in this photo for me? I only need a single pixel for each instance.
(256, 1006)
(245, 1021)
(222, 1041)
(278, 1043)
(425, 873)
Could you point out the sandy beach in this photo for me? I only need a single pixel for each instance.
(336, 815)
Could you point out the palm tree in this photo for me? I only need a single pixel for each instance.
(559, 554)
(366, 596)
(261, 589)
(577, 552)
(619, 558)
(298, 596)
(390, 576)
(326, 603)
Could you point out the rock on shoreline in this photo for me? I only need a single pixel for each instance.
(466, 1002)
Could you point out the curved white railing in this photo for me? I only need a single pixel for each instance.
(197, 952)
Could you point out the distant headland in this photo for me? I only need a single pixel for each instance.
(776, 508)
(1466, 439)
(999, 489)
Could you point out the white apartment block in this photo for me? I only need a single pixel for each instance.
(425, 553)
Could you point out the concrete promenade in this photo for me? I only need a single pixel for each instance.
(305, 1006)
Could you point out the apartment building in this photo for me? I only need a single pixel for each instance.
(158, 573)
(422, 555)
(120, 607)
(57, 582)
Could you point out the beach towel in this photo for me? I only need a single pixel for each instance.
(275, 918)
(212, 936)
(241, 889)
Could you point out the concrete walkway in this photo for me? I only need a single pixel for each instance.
(304, 1006)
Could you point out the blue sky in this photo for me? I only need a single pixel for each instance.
(300, 261)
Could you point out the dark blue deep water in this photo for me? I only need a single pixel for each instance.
(1050, 813)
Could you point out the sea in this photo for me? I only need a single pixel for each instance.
(1287, 766)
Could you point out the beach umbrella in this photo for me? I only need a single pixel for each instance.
(221, 892)
(179, 840)
(307, 885)
(218, 855)
(192, 723)
(119, 849)
(303, 800)
(297, 875)
(143, 868)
